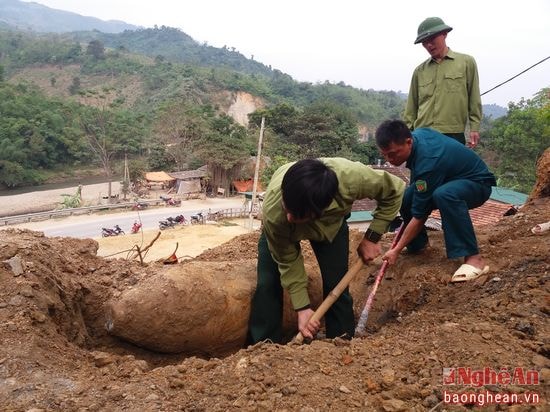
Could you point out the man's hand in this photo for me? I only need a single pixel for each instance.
(306, 327)
(368, 251)
(391, 256)
(474, 139)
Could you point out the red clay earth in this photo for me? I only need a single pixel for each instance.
(55, 353)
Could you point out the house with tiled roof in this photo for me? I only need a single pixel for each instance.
(502, 202)
(488, 213)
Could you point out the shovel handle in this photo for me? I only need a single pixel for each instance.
(333, 295)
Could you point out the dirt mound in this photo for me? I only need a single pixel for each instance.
(55, 353)
(542, 187)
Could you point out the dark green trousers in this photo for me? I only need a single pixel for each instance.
(266, 317)
(459, 137)
(453, 199)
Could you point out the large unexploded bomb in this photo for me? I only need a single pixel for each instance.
(195, 307)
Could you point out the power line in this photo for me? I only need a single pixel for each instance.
(519, 74)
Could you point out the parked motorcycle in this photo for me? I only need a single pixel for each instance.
(140, 206)
(181, 219)
(136, 227)
(170, 201)
(170, 222)
(197, 219)
(106, 232)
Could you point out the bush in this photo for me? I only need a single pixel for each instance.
(13, 175)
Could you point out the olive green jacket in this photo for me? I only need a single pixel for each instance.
(355, 181)
(445, 96)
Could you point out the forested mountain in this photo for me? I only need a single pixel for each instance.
(39, 18)
(173, 45)
(70, 100)
(168, 103)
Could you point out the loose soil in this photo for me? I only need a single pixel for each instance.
(56, 354)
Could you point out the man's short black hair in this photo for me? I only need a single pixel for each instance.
(308, 188)
(391, 131)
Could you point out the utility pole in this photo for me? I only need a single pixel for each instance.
(126, 180)
(256, 173)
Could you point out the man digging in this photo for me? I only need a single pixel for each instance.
(311, 200)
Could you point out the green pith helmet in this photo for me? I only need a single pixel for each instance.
(429, 27)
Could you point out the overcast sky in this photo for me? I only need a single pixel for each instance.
(365, 44)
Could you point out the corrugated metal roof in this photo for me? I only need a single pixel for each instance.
(489, 213)
(503, 195)
(189, 174)
(360, 216)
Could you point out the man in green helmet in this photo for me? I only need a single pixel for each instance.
(444, 92)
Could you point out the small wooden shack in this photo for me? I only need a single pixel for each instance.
(190, 183)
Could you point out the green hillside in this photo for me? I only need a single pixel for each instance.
(169, 103)
(178, 98)
(175, 46)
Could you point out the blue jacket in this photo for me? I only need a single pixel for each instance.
(436, 159)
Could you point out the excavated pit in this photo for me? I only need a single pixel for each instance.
(65, 289)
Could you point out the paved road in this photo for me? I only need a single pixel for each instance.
(89, 226)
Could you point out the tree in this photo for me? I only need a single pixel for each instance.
(267, 173)
(36, 132)
(224, 148)
(13, 174)
(366, 152)
(325, 129)
(137, 169)
(160, 159)
(177, 127)
(74, 52)
(96, 49)
(519, 139)
(110, 134)
(281, 118)
(74, 88)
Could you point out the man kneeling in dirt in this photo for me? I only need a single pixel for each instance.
(311, 200)
(445, 175)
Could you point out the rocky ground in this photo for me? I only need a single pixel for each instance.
(55, 353)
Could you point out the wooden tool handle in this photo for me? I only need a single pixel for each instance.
(332, 296)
